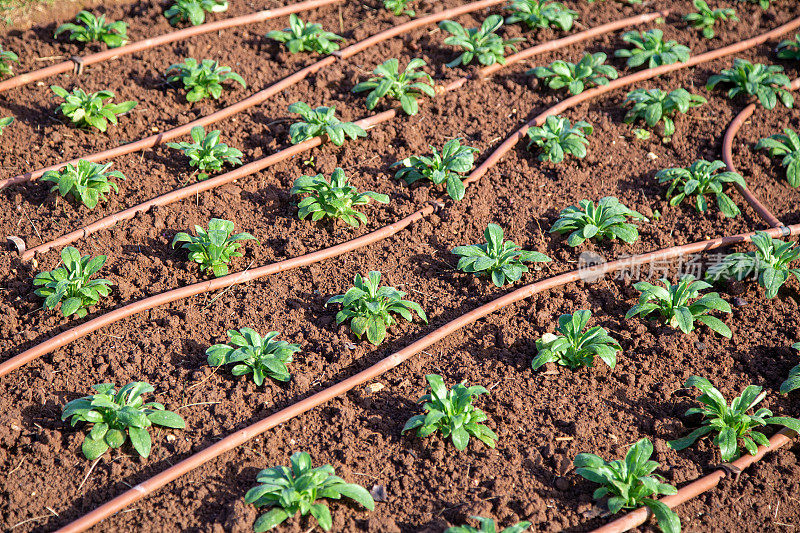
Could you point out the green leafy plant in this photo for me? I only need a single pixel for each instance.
(390, 82)
(770, 262)
(451, 412)
(541, 14)
(369, 307)
(629, 2)
(90, 110)
(763, 3)
(588, 72)
(607, 219)
(488, 526)
(321, 121)
(335, 199)
(699, 179)
(446, 167)
(573, 347)
(502, 260)
(673, 304)
(649, 47)
(213, 249)
(482, 42)
(6, 57)
(90, 29)
(306, 37)
(793, 381)
(705, 18)
(557, 137)
(86, 182)
(655, 105)
(787, 49)
(767, 82)
(194, 11)
(71, 285)
(117, 416)
(630, 483)
(202, 80)
(206, 152)
(289, 490)
(5, 122)
(399, 7)
(731, 423)
(788, 147)
(253, 354)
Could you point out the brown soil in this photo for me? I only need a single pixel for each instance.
(543, 419)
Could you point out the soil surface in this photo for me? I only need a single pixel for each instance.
(543, 418)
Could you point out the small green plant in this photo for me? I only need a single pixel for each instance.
(253, 354)
(446, 167)
(488, 526)
(194, 10)
(793, 381)
(673, 305)
(541, 14)
(90, 110)
(630, 483)
(5, 122)
(699, 179)
(767, 82)
(788, 147)
(306, 37)
(731, 423)
(649, 47)
(213, 249)
(451, 412)
(321, 121)
(86, 182)
(770, 262)
(202, 80)
(399, 7)
(90, 29)
(6, 57)
(641, 134)
(390, 82)
(482, 42)
(588, 72)
(705, 18)
(71, 285)
(557, 137)
(763, 3)
(369, 307)
(503, 260)
(206, 152)
(335, 199)
(655, 105)
(607, 219)
(786, 49)
(289, 490)
(573, 347)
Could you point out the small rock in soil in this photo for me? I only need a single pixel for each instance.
(700, 345)
(378, 493)
(562, 484)
(739, 302)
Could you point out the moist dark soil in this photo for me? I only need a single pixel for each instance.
(543, 418)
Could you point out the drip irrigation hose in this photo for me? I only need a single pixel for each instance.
(240, 437)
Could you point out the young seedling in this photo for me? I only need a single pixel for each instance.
(446, 167)
(289, 490)
(768, 83)
(213, 249)
(770, 262)
(194, 10)
(399, 7)
(502, 260)
(70, 285)
(573, 347)
(630, 483)
(655, 105)
(451, 412)
(482, 42)
(788, 147)
(206, 152)
(86, 182)
(606, 220)
(306, 37)
(6, 57)
(5, 122)
(588, 72)
(335, 199)
(700, 179)
(321, 121)
(90, 29)
(649, 47)
(541, 14)
(786, 49)
(557, 137)
(391, 83)
(731, 423)
(705, 18)
(763, 3)
(90, 110)
(488, 526)
(369, 307)
(254, 355)
(793, 381)
(673, 305)
(202, 80)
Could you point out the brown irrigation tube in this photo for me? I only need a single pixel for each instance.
(240, 437)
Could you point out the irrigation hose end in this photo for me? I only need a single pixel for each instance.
(18, 243)
(731, 471)
(785, 231)
(77, 68)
